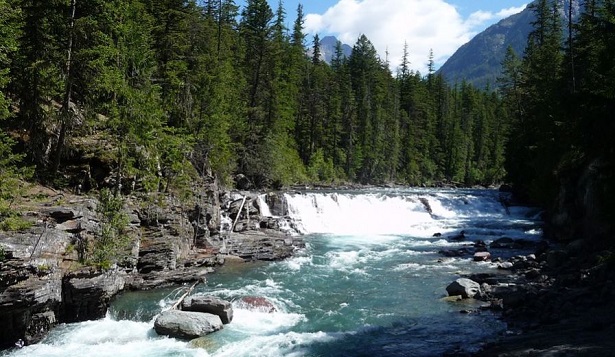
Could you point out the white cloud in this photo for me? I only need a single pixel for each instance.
(423, 24)
(510, 11)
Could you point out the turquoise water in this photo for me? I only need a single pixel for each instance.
(348, 293)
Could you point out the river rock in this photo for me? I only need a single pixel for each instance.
(454, 253)
(277, 204)
(211, 305)
(503, 242)
(257, 303)
(458, 237)
(482, 256)
(186, 324)
(465, 287)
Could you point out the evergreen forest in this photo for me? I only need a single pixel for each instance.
(155, 93)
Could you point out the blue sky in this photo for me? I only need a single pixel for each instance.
(438, 25)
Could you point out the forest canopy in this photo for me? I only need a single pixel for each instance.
(172, 84)
(157, 92)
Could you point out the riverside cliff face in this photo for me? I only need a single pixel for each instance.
(42, 282)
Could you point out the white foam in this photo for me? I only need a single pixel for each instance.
(107, 338)
(257, 322)
(284, 344)
(367, 214)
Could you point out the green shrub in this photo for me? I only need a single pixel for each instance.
(14, 223)
(113, 240)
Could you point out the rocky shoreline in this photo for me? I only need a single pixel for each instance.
(43, 283)
(557, 301)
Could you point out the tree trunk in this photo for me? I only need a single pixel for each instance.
(66, 115)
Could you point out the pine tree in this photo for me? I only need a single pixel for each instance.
(38, 77)
(538, 145)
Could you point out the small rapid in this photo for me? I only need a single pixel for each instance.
(369, 283)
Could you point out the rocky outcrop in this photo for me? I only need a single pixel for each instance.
(186, 324)
(170, 244)
(30, 300)
(86, 295)
(211, 305)
(268, 245)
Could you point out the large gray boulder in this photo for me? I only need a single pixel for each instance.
(186, 324)
(211, 305)
(465, 287)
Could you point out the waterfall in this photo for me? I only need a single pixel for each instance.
(419, 212)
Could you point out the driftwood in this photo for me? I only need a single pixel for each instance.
(184, 296)
(239, 213)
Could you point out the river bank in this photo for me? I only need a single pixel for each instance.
(569, 312)
(45, 279)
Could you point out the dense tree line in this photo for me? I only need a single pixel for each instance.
(561, 98)
(181, 88)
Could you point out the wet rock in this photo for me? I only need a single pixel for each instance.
(186, 324)
(503, 242)
(211, 305)
(277, 204)
(86, 295)
(505, 265)
(437, 234)
(426, 204)
(465, 287)
(480, 246)
(257, 303)
(248, 206)
(482, 256)
(454, 253)
(29, 306)
(458, 237)
(156, 257)
(205, 343)
(265, 245)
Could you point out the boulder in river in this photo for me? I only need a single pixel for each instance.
(465, 287)
(458, 237)
(257, 303)
(186, 324)
(482, 256)
(211, 305)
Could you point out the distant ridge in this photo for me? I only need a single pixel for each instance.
(479, 61)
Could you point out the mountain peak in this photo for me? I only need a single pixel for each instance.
(327, 48)
(479, 61)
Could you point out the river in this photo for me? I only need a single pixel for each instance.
(369, 283)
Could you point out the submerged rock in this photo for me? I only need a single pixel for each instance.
(186, 324)
(257, 303)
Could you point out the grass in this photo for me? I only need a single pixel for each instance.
(15, 223)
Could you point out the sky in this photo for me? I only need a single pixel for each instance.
(440, 25)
